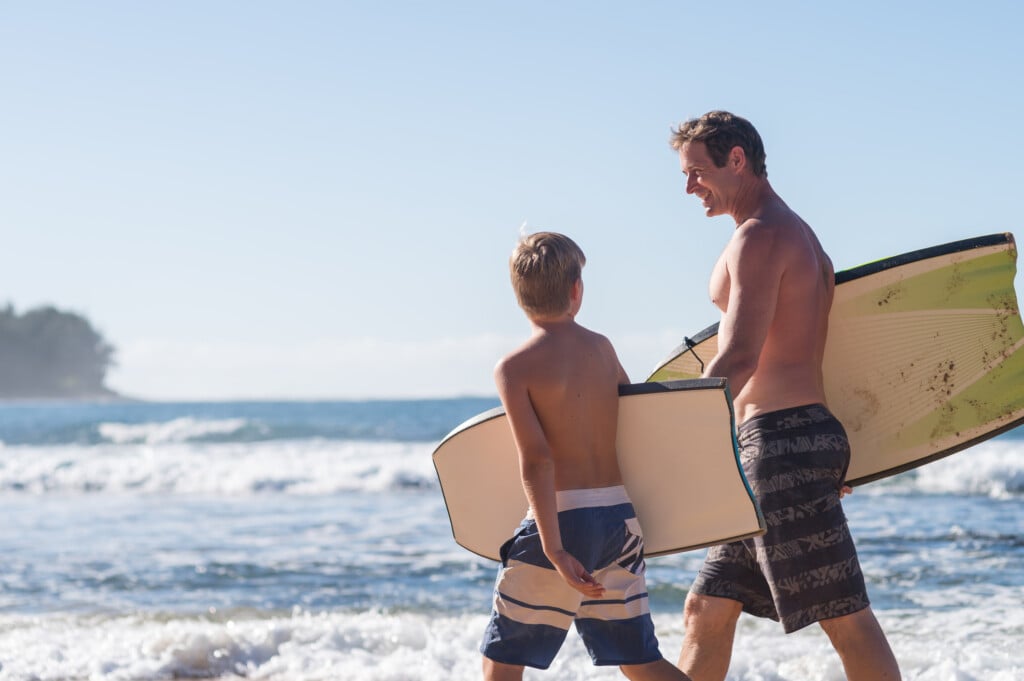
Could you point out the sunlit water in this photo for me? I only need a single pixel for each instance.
(307, 541)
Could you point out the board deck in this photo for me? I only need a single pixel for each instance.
(679, 462)
(923, 357)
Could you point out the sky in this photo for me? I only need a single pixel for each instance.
(317, 200)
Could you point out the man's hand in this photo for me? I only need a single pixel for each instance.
(574, 574)
(844, 490)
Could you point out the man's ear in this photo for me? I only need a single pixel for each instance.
(737, 158)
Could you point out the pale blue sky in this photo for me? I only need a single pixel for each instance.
(317, 199)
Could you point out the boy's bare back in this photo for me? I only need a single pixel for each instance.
(561, 389)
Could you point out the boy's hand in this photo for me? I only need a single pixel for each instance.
(575, 576)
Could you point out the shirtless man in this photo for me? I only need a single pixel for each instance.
(578, 555)
(774, 285)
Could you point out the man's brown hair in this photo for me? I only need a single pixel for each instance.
(720, 131)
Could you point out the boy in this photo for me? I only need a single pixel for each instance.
(578, 555)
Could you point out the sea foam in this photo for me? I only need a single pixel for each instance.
(148, 459)
(301, 467)
(375, 646)
(994, 468)
(176, 430)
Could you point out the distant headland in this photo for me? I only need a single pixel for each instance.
(46, 353)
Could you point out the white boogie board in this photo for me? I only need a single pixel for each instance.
(677, 453)
(923, 357)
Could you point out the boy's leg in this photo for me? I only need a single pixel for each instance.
(710, 624)
(499, 671)
(662, 670)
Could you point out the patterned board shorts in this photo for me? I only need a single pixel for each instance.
(805, 568)
(534, 606)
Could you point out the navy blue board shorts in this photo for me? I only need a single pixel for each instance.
(533, 605)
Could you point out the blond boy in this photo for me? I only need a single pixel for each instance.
(578, 555)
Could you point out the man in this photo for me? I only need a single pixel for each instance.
(774, 285)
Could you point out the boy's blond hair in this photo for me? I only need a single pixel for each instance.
(544, 267)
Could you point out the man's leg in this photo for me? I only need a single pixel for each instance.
(662, 670)
(499, 671)
(710, 624)
(862, 646)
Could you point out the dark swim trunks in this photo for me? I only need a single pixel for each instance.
(804, 568)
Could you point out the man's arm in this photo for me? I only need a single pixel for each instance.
(537, 470)
(755, 274)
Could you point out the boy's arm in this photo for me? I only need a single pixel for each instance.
(537, 470)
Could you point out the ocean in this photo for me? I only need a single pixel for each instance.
(302, 541)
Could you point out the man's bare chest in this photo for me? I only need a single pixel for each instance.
(718, 286)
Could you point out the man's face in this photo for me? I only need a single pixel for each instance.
(704, 179)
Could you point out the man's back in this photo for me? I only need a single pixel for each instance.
(572, 375)
(777, 257)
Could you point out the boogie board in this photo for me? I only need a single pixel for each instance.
(923, 357)
(679, 462)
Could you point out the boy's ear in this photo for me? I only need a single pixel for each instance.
(576, 294)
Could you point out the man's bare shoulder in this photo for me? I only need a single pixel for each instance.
(756, 242)
(755, 231)
(774, 232)
(783, 245)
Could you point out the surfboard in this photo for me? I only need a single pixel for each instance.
(678, 456)
(923, 357)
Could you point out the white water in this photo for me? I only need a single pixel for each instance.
(180, 547)
(373, 646)
(160, 458)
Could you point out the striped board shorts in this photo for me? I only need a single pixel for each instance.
(804, 569)
(533, 606)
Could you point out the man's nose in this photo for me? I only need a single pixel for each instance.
(691, 184)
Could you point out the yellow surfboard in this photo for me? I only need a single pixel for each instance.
(923, 357)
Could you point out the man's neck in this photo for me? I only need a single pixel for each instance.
(751, 199)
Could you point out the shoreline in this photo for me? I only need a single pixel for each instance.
(91, 398)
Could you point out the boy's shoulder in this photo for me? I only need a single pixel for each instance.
(522, 355)
(550, 346)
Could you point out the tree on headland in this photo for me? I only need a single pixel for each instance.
(49, 353)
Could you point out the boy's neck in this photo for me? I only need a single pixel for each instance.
(553, 322)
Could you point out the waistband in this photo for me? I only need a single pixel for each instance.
(775, 420)
(569, 499)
